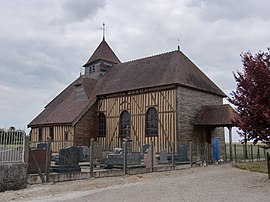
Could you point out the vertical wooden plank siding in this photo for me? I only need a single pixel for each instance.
(137, 105)
(58, 142)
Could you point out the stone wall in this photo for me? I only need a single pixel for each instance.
(13, 176)
(189, 104)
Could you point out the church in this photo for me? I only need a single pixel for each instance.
(163, 98)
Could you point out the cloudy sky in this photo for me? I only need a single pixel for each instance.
(45, 43)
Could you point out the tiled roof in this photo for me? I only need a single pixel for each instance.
(64, 108)
(103, 52)
(164, 69)
(159, 70)
(216, 115)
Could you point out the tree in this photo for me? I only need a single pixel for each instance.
(252, 98)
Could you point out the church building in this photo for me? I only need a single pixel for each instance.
(163, 98)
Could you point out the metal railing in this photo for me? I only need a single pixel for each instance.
(11, 146)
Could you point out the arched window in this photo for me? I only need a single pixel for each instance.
(101, 125)
(151, 125)
(124, 125)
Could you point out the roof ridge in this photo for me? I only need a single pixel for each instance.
(151, 56)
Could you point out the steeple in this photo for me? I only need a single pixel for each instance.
(101, 60)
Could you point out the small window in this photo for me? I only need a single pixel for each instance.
(93, 69)
(101, 125)
(52, 134)
(66, 135)
(40, 134)
(151, 125)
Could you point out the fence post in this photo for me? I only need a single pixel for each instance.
(225, 153)
(230, 142)
(152, 156)
(258, 154)
(207, 153)
(173, 153)
(48, 159)
(268, 165)
(204, 155)
(251, 151)
(190, 153)
(125, 156)
(235, 154)
(91, 157)
(26, 145)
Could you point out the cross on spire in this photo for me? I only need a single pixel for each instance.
(103, 30)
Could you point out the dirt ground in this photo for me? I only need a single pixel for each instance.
(212, 183)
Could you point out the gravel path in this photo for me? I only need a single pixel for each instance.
(212, 183)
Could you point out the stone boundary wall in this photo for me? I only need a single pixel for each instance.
(61, 177)
(13, 176)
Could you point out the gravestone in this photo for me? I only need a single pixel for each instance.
(117, 160)
(68, 160)
(163, 156)
(182, 153)
(147, 159)
(97, 151)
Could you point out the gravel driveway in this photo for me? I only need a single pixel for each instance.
(212, 183)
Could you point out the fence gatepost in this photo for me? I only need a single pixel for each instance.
(48, 158)
(26, 145)
(91, 157)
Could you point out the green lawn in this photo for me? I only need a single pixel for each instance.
(260, 166)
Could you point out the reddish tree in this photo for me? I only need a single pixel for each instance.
(252, 98)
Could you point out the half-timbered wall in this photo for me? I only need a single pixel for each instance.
(63, 136)
(137, 104)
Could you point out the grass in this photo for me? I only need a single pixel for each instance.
(260, 166)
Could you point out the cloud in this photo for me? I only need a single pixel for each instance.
(80, 10)
(230, 9)
(44, 43)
